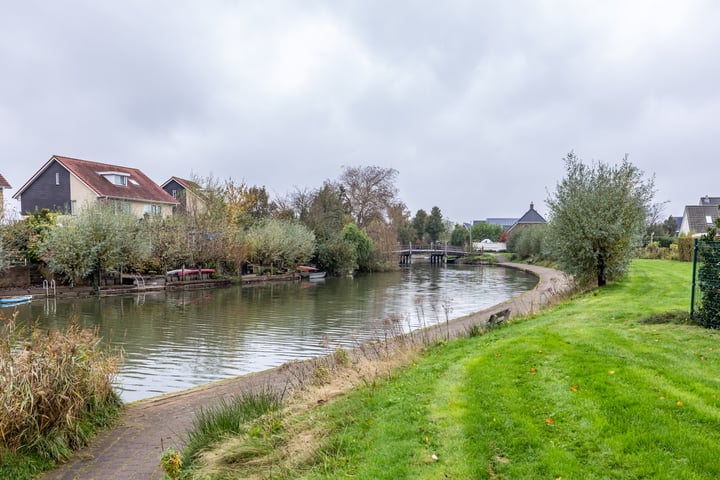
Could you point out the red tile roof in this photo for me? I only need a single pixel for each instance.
(139, 186)
(4, 183)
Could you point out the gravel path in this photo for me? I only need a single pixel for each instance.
(131, 450)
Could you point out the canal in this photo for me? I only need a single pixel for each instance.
(176, 340)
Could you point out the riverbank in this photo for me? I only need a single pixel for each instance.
(615, 383)
(132, 449)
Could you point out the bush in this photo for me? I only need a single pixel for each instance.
(685, 249)
(55, 389)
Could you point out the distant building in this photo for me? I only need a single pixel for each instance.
(66, 184)
(187, 193)
(697, 218)
(506, 223)
(3, 185)
(531, 218)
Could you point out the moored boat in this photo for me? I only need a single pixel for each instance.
(17, 300)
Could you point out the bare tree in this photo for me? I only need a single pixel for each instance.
(370, 190)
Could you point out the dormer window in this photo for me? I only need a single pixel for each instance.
(708, 219)
(116, 178)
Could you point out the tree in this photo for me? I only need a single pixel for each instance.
(364, 252)
(95, 241)
(418, 224)
(459, 236)
(670, 226)
(483, 230)
(598, 213)
(435, 225)
(370, 190)
(280, 242)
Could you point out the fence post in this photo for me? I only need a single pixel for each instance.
(692, 292)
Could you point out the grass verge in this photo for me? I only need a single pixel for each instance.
(607, 385)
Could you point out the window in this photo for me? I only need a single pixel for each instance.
(116, 178)
(152, 209)
(121, 207)
(57, 178)
(708, 219)
(73, 207)
(174, 193)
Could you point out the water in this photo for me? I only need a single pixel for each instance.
(176, 340)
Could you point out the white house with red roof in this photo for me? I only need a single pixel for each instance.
(66, 184)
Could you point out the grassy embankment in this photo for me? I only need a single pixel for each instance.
(598, 387)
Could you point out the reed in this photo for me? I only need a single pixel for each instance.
(55, 388)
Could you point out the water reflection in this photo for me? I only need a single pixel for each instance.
(176, 340)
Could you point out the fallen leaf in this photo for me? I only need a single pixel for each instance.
(498, 354)
(680, 404)
(549, 421)
(612, 372)
(574, 388)
(703, 357)
(434, 457)
(533, 370)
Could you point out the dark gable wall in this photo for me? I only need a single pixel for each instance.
(173, 185)
(43, 193)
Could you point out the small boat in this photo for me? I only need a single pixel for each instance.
(10, 301)
(312, 273)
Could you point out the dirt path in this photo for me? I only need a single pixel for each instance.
(131, 450)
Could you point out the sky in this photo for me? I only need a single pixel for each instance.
(474, 103)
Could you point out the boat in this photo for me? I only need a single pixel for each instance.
(311, 273)
(10, 301)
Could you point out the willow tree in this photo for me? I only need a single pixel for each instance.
(597, 217)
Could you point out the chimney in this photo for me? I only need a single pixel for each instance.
(532, 206)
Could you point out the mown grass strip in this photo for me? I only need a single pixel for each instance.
(587, 390)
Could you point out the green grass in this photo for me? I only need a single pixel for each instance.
(590, 389)
(228, 418)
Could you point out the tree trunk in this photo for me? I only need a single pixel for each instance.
(601, 272)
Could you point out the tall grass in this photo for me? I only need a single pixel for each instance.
(55, 389)
(229, 417)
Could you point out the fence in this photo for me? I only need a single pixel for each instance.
(705, 295)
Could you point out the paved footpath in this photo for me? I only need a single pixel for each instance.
(131, 450)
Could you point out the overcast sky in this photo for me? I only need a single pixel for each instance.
(475, 103)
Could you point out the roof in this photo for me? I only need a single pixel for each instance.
(139, 186)
(531, 216)
(708, 200)
(697, 218)
(4, 183)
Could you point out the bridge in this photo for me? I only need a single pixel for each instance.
(437, 253)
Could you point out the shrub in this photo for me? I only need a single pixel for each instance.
(55, 388)
(685, 249)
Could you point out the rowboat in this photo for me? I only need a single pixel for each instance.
(10, 301)
(311, 273)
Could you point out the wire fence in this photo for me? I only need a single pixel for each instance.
(705, 297)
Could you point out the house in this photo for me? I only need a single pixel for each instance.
(3, 185)
(697, 218)
(66, 184)
(506, 223)
(187, 193)
(531, 218)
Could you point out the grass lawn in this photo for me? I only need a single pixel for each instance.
(585, 390)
